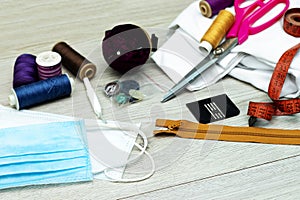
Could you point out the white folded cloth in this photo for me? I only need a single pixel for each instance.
(252, 62)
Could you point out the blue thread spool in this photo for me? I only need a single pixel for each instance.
(42, 91)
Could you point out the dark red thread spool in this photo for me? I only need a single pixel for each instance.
(125, 47)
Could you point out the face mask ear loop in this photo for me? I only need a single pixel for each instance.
(142, 151)
(132, 128)
(112, 179)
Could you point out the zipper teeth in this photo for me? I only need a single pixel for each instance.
(238, 133)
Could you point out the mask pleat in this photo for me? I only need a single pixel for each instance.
(44, 153)
(41, 157)
(40, 138)
(62, 176)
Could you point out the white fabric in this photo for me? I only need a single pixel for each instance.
(180, 54)
(257, 56)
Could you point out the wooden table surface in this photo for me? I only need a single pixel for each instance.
(185, 169)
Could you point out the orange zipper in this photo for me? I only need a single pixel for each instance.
(187, 129)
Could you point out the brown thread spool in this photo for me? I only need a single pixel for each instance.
(217, 31)
(74, 62)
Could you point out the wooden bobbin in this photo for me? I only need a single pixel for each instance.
(205, 8)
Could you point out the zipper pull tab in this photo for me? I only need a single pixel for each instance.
(175, 125)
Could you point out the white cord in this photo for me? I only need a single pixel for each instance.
(127, 127)
(123, 180)
(142, 151)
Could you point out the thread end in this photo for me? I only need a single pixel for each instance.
(12, 100)
(205, 9)
(72, 82)
(88, 70)
(205, 48)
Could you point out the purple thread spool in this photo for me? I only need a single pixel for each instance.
(25, 70)
(210, 8)
(48, 64)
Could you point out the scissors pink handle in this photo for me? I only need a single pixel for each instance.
(247, 16)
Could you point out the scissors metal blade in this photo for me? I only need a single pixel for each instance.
(190, 77)
(208, 61)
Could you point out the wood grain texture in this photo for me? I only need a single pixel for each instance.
(186, 169)
(257, 182)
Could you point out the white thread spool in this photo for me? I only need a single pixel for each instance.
(49, 64)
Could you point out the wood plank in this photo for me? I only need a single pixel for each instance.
(274, 180)
(35, 26)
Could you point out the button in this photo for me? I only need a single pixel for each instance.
(122, 98)
(136, 95)
(112, 89)
(127, 85)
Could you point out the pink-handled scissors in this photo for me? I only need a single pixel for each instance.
(245, 18)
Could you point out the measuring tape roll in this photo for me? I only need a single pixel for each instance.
(277, 107)
(292, 22)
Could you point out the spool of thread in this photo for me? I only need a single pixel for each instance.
(216, 31)
(75, 62)
(210, 8)
(126, 46)
(40, 92)
(291, 23)
(48, 64)
(25, 70)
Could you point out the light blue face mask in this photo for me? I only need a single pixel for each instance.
(46, 153)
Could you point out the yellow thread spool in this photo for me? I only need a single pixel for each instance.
(216, 31)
